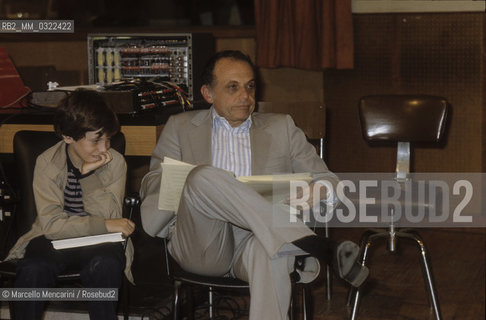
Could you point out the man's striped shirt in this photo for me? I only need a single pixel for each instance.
(231, 148)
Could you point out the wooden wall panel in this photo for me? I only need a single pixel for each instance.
(483, 97)
(438, 54)
(64, 55)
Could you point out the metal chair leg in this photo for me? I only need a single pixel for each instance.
(328, 269)
(366, 241)
(293, 295)
(126, 299)
(210, 300)
(427, 272)
(306, 303)
(176, 305)
(328, 282)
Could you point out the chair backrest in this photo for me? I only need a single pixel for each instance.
(403, 119)
(28, 145)
(407, 118)
(310, 116)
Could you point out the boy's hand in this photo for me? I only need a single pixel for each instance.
(123, 225)
(104, 158)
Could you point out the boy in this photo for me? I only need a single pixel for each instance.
(79, 185)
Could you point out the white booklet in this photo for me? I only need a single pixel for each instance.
(174, 174)
(87, 240)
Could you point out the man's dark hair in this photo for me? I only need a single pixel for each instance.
(208, 71)
(83, 111)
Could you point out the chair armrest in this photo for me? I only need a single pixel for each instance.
(132, 200)
(8, 268)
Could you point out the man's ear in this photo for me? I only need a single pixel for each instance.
(207, 94)
(67, 139)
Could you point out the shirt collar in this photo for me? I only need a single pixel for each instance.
(219, 121)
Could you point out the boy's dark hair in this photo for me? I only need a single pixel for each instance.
(207, 76)
(83, 111)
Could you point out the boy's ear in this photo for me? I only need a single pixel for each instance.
(207, 94)
(67, 139)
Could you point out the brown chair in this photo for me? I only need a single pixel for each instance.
(28, 145)
(401, 120)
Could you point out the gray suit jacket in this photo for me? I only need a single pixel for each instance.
(277, 146)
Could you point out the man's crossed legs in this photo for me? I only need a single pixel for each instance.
(225, 227)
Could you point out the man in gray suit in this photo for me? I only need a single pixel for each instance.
(223, 226)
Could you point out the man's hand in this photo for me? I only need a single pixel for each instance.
(308, 193)
(104, 158)
(321, 196)
(123, 225)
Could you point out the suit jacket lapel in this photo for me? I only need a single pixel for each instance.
(260, 144)
(200, 137)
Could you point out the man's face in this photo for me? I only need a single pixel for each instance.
(90, 147)
(232, 92)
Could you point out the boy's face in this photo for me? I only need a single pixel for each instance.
(90, 147)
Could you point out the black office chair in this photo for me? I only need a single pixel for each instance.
(179, 277)
(401, 119)
(28, 145)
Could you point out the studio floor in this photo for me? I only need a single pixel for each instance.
(395, 289)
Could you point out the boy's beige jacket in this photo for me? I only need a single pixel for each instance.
(103, 193)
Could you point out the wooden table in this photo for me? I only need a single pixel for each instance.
(141, 133)
(140, 140)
